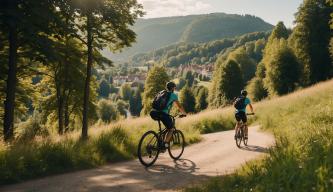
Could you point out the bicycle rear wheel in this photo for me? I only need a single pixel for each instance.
(239, 137)
(176, 145)
(148, 149)
(245, 141)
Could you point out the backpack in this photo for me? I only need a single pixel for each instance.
(160, 101)
(239, 103)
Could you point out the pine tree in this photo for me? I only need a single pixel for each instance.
(156, 80)
(136, 103)
(126, 92)
(310, 40)
(187, 99)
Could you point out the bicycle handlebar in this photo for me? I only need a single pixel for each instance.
(178, 115)
(249, 113)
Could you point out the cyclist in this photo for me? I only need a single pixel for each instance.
(240, 114)
(163, 115)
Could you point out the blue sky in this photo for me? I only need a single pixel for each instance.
(271, 11)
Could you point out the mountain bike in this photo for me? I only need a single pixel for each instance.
(152, 144)
(240, 135)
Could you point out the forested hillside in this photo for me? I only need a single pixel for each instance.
(159, 32)
(199, 53)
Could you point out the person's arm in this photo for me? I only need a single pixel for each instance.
(179, 106)
(251, 108)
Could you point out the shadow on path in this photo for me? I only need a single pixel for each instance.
(255, 148)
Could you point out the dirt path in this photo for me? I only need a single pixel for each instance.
(216, 155)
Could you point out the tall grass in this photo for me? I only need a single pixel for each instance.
(302, 159)
(52, 154)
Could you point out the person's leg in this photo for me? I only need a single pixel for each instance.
(237, 124)
(244, 119)
(168, 123)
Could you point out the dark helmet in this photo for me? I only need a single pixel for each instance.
(244, 92)
(170, 85)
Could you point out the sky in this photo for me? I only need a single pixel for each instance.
(272, 11)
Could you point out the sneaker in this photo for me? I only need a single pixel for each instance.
(245, 137)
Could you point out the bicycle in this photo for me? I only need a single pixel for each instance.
(240, 135)
(152, 144)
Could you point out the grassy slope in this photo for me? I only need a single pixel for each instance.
(302, 159)
(107, 144)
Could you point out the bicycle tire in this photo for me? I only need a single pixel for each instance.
(177, 140)
(155, 147)
(239, 137)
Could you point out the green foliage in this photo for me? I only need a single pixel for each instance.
(247, 65)
(302, 156)
(29, 160)
(220, 25)
(156, 80)
(310, 40)
(186, 53)
(283, 70)
(187, 99)
(189, 78)
(201, 99)
(181, 83)
(227, 83)
(122, 107)
(159, 32)
(135, 103)
(126, 92)
(107, 111)
(104, 89)
(256, 89)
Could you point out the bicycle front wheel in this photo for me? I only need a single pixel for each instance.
(239, 137)
(148, 149)
(176, 145)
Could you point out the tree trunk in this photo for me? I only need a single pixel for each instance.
(11, 85)
(66, 114)
(60, 102)
(87, 82)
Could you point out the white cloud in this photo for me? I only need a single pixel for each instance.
(162, 8)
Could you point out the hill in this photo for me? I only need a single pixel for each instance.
(197, 53)
(159, 32)
(302, 156)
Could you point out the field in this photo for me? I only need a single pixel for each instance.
(302, 159)
(110, 143)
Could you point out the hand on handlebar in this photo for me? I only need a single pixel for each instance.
(182, 115)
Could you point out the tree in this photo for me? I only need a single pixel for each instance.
(189, 78)
(246, 64)
(156, 80)
(104, 23)
(181, 83)
(283, 70)
(256, 89)
(187, 99)
(104, 88)
(280, 31)
(331, 25)
(122, 107)
(136, 103)
(106, 111)
(126, 92)
(227, 83)
(201, 99)
(310, 40)
(26, 31)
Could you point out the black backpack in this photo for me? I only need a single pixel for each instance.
(160, 101)
(239, 103)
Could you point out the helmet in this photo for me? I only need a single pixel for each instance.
(170, 85)
(244, 92)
